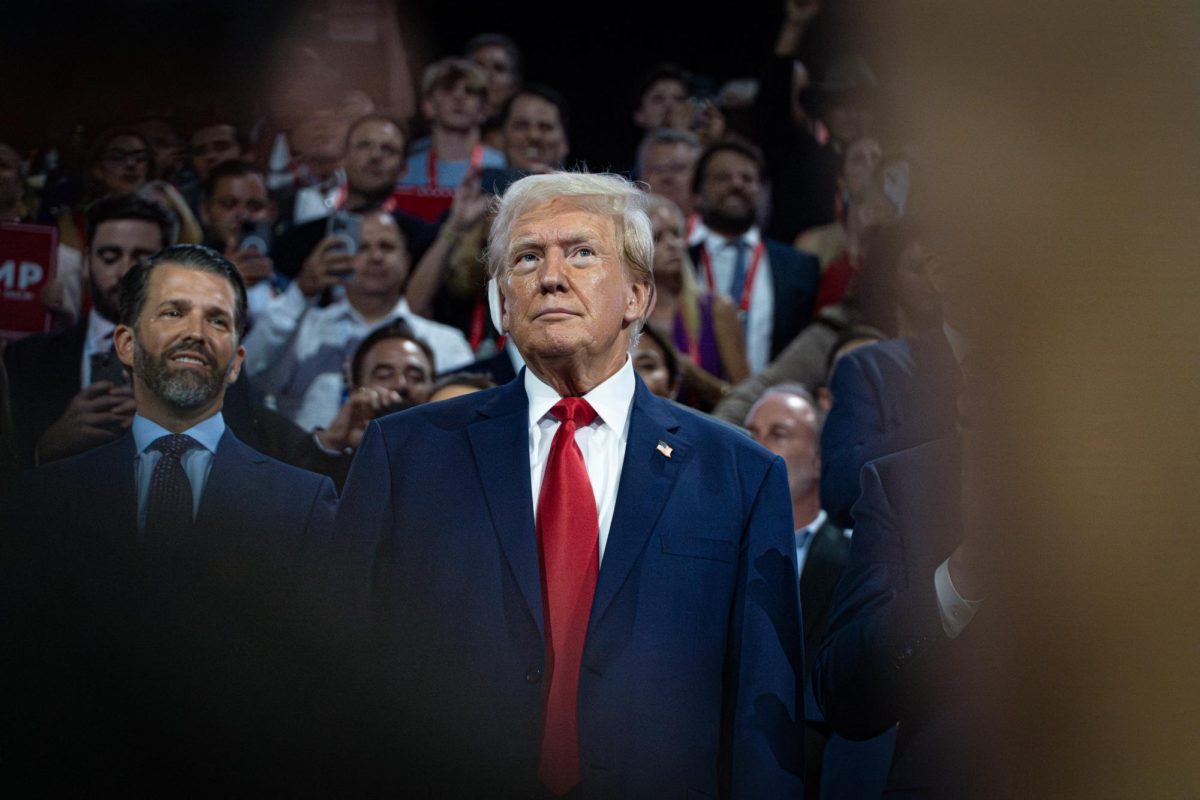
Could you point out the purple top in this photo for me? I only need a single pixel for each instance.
(705, 353)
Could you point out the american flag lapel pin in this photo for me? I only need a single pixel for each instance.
(664, 448)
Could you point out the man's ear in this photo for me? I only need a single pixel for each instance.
(496, 307)
(640, 302)
(204, 218)
(235, 367)
(123, 343)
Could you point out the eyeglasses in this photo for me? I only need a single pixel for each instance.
(119, 156)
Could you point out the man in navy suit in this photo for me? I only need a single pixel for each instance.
(887, 397)
(904, 644)
(772, 284)
(579, 589)
(162, 572)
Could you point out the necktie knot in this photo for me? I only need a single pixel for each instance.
(174, 445)
(575, 410)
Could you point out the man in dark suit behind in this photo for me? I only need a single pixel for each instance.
(903, 644)
(580, 589)
(887, 397)
(772, 284)
(786, 421)
(159, 599)
(62, 388)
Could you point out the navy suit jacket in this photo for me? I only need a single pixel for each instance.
(140, 667)
(887, 397)
(690, 683)
(795, 277)
(886, 659)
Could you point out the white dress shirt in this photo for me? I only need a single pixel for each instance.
(98, 339)
(296, 352)
(760, 319)
(197, 462)
(804, 539)
(602, 443)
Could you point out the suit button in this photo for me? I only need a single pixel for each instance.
(533, 675)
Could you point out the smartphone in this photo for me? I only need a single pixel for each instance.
(256, 235)
(107, 367)
(346, 228)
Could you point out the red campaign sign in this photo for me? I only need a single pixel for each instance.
(28, 258)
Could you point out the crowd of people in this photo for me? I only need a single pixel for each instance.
(302, 283)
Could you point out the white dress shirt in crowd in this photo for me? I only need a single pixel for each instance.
(602, 443)
(760, 319)
(804, 538)
(97, 339)
(296, 352)
(197, 462)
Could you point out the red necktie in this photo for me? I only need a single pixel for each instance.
(568, 530)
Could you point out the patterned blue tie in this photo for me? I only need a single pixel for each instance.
(169, 504)
(739, 271)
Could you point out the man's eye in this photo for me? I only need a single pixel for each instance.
(585, 252)
(220, 322)
(171, 312)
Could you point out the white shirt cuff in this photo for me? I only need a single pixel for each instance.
(956, 610)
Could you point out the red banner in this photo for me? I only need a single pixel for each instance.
(28, 258)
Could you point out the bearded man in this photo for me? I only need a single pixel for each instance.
(159, 637)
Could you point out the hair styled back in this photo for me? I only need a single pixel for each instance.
(601, 194)
(135, 286)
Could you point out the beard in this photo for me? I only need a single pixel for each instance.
(721, 218)
(186, 389)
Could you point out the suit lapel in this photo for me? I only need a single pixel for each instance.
(229, 479)
(647, 476)
(500, 444)
(116, 501)
(822, 567)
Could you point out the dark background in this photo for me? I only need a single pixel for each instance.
(111, 61)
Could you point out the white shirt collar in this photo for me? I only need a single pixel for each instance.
(751, 237)
(399, 311)
(815, 525)
(958, 343)
(612, 399)
(99, 331)
(207, 432)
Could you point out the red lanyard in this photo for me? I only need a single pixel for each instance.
(751, 272)
(431, 166)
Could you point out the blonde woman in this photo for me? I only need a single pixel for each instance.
(703, 326)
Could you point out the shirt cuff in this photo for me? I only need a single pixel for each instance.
(956, 610)
(329, 451)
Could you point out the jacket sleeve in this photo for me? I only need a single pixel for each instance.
(885, 623)
(763, 731)
(853, 422)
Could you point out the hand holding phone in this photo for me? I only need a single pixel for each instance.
(346, 228)
(326, 265)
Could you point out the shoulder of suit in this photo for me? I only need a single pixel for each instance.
(272, 466)
(89, 464)
(933, 457)
(883, 354)
(38, 344)
(700, 430)
(457, 412)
